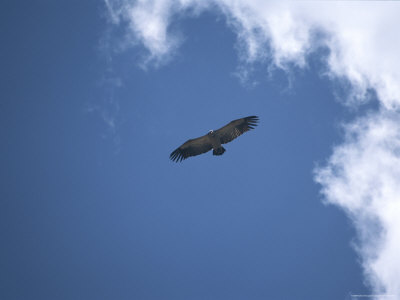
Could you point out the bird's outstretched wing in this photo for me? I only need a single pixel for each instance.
(192, 147)
(236, 128)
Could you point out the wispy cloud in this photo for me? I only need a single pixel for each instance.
(106, 104)
(107, 108)
(363, 44)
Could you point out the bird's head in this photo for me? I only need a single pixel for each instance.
(211, 132)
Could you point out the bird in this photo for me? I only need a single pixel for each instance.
(214, 139)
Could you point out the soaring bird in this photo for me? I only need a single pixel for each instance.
(213, 139)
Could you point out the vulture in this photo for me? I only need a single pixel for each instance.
(214, 139)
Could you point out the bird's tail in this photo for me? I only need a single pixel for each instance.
(219, 151)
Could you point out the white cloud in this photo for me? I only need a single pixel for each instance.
(363, 178)
(362, 175)
(149, 24)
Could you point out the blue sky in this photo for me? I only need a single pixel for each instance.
(91, 207)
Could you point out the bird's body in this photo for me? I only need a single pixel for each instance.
(215, 143)
(214, 139)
